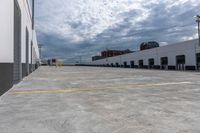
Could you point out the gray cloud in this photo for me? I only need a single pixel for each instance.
(73, 29)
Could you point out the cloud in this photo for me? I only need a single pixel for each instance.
(70, 29)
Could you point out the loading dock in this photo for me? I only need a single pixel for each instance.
(117, 64)
(17, 74)
(125, 64)
(132, 64)
(180, 62)
(164, 63)
(169, 57)
(151, 63)
(198, 61)
(141, 64)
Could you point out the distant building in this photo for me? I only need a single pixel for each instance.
(54, 62)
(149, 45)
(51, 62)
(96, 58)
(112, 53)
(179, 56)
(44, 62)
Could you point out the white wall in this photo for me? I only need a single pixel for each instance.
(26, 23)
(6, 34)
(187, 48)
(7, 31)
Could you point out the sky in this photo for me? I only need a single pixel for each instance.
(79, 29)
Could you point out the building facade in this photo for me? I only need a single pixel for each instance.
(148, 45)
(19, 54)
(178, 56)
(112, 53)
(96, 58)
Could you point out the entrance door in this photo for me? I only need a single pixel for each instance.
(17, 73)
(198, 61)
(180, 62)
(164, 63)
(132, 64)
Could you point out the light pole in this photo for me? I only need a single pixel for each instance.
(120, 60)
(197, 17)
(80, 60)
(40, 50)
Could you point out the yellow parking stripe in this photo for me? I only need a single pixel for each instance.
(49, 91)
(95, 89)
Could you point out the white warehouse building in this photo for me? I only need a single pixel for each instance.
(19, 54)
(178, 56)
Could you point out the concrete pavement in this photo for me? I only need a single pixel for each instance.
(102, 100)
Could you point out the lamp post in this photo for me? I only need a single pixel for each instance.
(197, 17)
(40, 50)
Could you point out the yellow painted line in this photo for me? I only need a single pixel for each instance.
(50, 91)
(170, 83)
(95, 89)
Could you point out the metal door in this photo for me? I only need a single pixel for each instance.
(141, 64)
(198, 61)
(132, 64)
(125, 64)
(151, 63)
(180, 62)
(164, 63)
(117, 64)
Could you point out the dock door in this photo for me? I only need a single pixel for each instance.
(151, 63)
(117, 65)
(132, 64)
(164, 63)
(125, 64)
(17, 72)
(141, 64)
(198, 61)
(180, 62)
